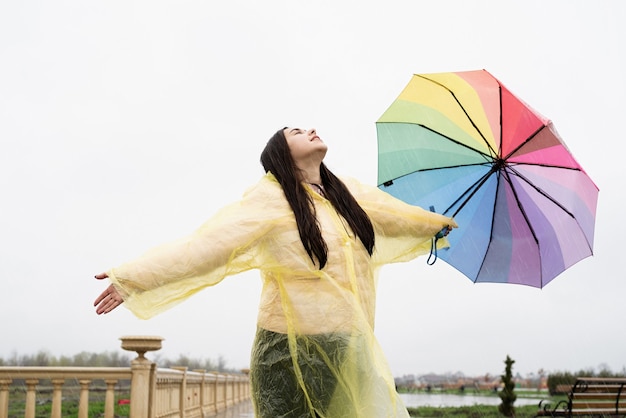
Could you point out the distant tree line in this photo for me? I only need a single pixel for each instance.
(110, 359)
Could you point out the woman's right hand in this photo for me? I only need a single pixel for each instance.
(109, 299)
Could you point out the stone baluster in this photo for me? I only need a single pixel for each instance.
(230, 390)
(246, 384)
(182, 400)
(83, 403)
(31, 397)
(4, 397)
(202, 392)
(109, 400)
(215, 399)
(143, 383)
(57, 397)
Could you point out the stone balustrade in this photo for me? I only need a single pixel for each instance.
(154, 392)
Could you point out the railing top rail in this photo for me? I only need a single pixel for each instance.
(30, 372)
(163, 372)
(21, 372)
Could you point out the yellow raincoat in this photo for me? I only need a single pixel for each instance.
(315, 327)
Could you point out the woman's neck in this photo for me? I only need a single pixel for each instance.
(311, 174)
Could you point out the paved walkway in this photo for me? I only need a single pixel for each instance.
(240, 410)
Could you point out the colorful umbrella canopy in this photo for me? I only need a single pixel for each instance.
(464, 145)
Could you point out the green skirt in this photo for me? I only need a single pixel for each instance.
(277, 390)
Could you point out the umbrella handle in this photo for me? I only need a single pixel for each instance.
(432, 257)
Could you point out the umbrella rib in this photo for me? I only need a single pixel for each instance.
(471, 190)
(521, 208)
(562, 167)
(493, 216)
(540, 191)
(464, 111)
(530, 138)
(519, 204)
(487, 157)
(444, 167)
(422, 170)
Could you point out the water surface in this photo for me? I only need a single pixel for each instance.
(414, 400)
(411, 400)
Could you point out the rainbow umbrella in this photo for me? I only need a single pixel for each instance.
(462, 144)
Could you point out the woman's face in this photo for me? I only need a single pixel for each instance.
(305, 144)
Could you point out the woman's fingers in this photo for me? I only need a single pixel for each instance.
(101, 297)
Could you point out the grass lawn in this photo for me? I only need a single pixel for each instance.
(70, 410)
(475, 411)
(96, 407)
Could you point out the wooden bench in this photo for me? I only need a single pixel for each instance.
(590, 396)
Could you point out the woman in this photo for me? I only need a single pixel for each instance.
(318, 242)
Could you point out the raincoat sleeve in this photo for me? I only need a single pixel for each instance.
(228, 243)
(403, 231)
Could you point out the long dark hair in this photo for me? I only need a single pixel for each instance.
(276, 158)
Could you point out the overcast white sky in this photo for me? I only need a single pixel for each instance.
(125, 124)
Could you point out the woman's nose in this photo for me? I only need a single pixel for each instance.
(312, 131)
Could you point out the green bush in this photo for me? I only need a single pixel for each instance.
(507, 394)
